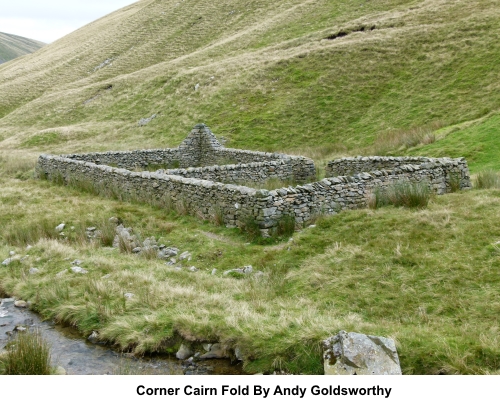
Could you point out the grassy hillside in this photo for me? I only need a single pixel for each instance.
(323, 78)
(13, 46)
(271, 74)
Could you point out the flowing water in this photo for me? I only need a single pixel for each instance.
(78, 356)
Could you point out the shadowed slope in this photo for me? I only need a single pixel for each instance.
(13, 46)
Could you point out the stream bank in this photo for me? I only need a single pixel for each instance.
(78, 356)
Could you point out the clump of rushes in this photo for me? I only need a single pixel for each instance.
(27, 354)
(31, 232)
(402, 194)
(487, 179)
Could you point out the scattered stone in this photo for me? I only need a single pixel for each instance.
(29, 247)
(136, 250)
(114, 220)
(93, 337)
(192, 268)
(21, 304)
(8, 261)
(129, 295)
(61, 273)
(60, 371)
(20, 328)
(106, 276)
(60, 227)
(12, 253)
(216, 352)
(185, 255)
(78, 270)
(196, 86)
(146, 121)
(33, 270)
(242, 270)
(312, 226)
(214, 271)
(238, 354)
(105, 63)
(76, 262)
(91, 229)
(184, 352)
(150, 242)
(357, 354)
(170, 251)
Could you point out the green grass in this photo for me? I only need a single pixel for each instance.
(479, 143)
(270, 84)
(13, 46)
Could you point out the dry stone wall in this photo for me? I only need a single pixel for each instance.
(200, 190)
(242, 173)
(441, 172)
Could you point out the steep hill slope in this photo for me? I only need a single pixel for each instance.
(263, 74)
(13, 46)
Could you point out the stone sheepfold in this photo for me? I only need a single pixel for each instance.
(196, 179)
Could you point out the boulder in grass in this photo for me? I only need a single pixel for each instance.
(357, 354)
(184, 352)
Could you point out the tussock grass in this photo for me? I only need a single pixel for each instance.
(402, 194)
(400, 140)
(487, 179)
(29, 233)
(27, 354)
(17, 165)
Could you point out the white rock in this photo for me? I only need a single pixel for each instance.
(357, 354)
(79, 270)
(60, 371)
(129, 295)
(60, 227)
(8, 261)
(34, 270)
(184, 352)
(21, 304)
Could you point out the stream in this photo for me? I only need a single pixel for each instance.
(78, 356)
